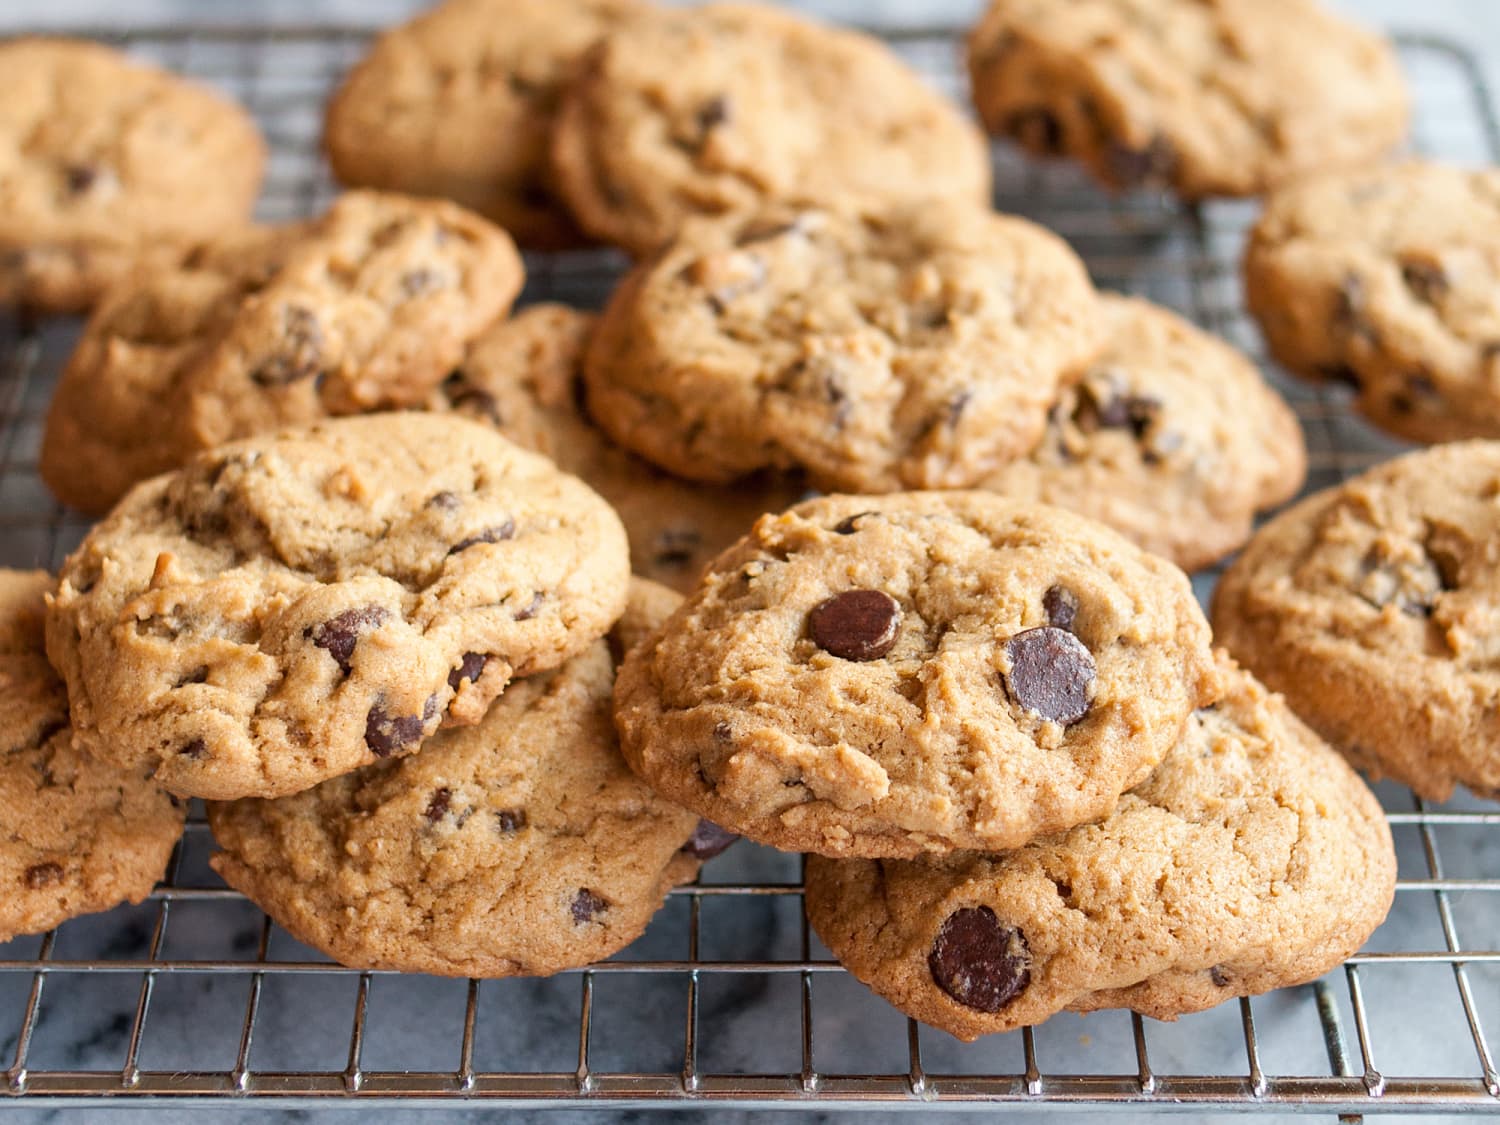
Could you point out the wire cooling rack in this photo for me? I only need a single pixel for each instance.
(195, 997)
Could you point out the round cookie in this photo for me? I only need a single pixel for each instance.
(368, 307)
(879, 346)
(524, 376)
(1375, 607)
(1171, 437)
(692, 111)
(104, 163)
(460, 101)
(287, 608)
(79, 836)
(1386, 280)
(522, 845)
(1253, 858)
(886, 676)
(1207, 97)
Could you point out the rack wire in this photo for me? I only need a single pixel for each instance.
(195, 997)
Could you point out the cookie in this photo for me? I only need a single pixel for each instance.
(886, 676)
(877, 346)
(1253, 858)
(460, 103)
(524, 377)
(80, 836)
(1374, 607)
(1385, 281)
(287, 608)
(1205, 97)
(105, 163)
(1171, 437)
(368, 307)
(753, 104)
(522, 845)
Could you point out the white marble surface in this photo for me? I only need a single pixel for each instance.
(1419, 1027)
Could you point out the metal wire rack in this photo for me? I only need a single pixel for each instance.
(195, 997)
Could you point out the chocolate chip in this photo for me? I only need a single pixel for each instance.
(437, 807)
(1426, 281)
(470, 400)
(299, 354)
(586, 904)
(530, 609)
(1061, 605)
(977, 961)
(712, 114)
(856, 625)
(1038, 129)
(42, 874)
(1219, 976)
(194, 750)
(339, 635)
(418, 281)
(510, 820)
(496, 534)
(1050, 673)
(708, 840)
(1136, 167)
(469, 668)
(1339, 373)
(444, 501)
(849, 524)
(81, 177)
(956, 407)
(385, 733)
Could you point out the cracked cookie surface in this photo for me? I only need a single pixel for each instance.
(1253, 858)
(1386, 280)
(888, 675)
(1207, 97)
(755, 104)
(79, 835)
(1171, 437)
(524, 377)
(287, 608)
(460, 103)
(106, 162)
(877, 346)
(1375, 608)
(368, 307)
(520, 845)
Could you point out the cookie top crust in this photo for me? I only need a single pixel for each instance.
(1206, 97)
(290, 607)
(756, 104)
(103, 160)
(522, 845)
(460, 102)
(1386, 280)
(1171, 437)
(877, 346)
(80, 835)
(1375, 606)
(1252, 858)
(893, 675)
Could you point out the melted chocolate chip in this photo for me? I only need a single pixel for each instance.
(510, 820)
(856, 625)
(496, 534)
(850, 524)
(340, 634)
(1426, 281)
(708, 840)
(1050, 673)
(1061, 605)
(385, 733)
(437, 807)
(300, 351)
(586, 904)
(42, 875)
(977, 961)
(469, 668)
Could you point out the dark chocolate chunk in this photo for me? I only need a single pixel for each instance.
(470, 668)
(385, 733)
(1050, 673)
(708, 840)
(977, 961)
(1061, 605)
(340, 634)
(1219, 976)
(298, 354)
(81, 177)
(586, 904)
(850, 524)
(194, 750)
(856, 625)
(437, 806)
(496, 534)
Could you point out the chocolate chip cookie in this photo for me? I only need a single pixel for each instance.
(1253, 858)
(522, 845)
(460, 103)
(105, 163)
(1375, 607)
(368, 307)
(524, 377)
(877, 346)
(79, 835)
(284, 609)
(1386, 280)
(1206, 97)
(886, 676)
(704, 110)
(1171, 437)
